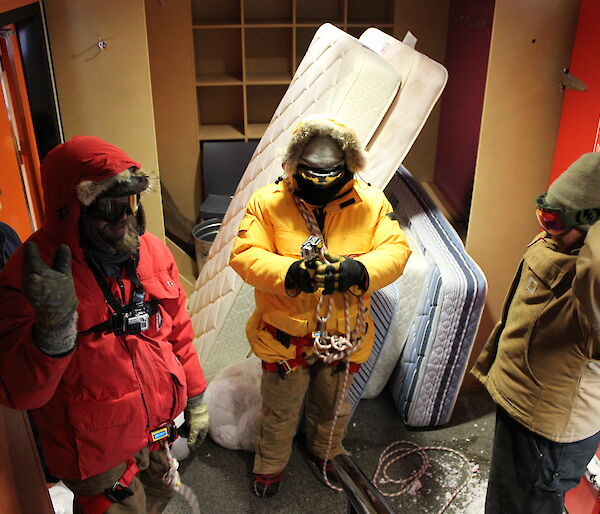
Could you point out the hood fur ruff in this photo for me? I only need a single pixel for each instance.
(324, 126)
(129, 181)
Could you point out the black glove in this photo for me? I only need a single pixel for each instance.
(342, 274)
(300, 278)
(51, 292)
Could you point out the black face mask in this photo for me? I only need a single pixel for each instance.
(316, 195)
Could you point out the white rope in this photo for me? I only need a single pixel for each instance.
(395, 451)
(331, 348)
(173, 479)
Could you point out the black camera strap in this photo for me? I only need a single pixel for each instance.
(114, 323)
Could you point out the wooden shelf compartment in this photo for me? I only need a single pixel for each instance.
(304, 36)
(267, 12)
(262, 102)
(223, 12)
(256, 130)
(218, 79)
(373, 12)
(268, 51)
(213, 26)
(220, 112)
(218, 55)
(320, 11)
(267, 78)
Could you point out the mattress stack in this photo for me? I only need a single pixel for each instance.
(426, 379)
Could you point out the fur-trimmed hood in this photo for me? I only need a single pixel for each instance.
(76, 172)
(323, 125)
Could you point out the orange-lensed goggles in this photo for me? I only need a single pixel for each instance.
(557, 221)
(112, 209)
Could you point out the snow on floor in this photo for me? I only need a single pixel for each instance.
(445, 474)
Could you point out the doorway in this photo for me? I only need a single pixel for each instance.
(20, 187)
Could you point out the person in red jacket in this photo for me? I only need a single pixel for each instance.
(95, 338)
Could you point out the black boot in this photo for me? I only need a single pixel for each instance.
(332, 476)
(266, 485)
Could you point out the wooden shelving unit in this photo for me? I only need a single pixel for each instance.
(247, 51)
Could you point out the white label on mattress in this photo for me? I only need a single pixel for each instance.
(410, 39)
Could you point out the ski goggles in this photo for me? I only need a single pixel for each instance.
(557, 221)
(321, 177)
(112, 208)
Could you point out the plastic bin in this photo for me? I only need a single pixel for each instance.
(204, 234)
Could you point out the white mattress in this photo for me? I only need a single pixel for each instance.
(385, 93)
(410, 287)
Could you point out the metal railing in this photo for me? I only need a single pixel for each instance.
(363, 496)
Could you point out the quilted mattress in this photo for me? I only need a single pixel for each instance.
(378, 85)
(426, 379)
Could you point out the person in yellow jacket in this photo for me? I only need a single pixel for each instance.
(315, 245)
(541, 364)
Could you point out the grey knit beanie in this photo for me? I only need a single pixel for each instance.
(579, 186)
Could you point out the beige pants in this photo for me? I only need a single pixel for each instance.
(282, 401)
(150, 493)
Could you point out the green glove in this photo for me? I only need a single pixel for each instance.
(196, 421)
(342, 274)
(300, 278)
(51, 292)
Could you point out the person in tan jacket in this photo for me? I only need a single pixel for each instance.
(541, 364)
(280, 251)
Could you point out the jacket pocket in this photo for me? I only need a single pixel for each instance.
(535, 294)
(91, 415)
(288, 242)
(164, 292)
(350, 244)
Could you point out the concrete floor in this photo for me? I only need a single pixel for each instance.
(221, 478)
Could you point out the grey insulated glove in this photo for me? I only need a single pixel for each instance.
(51, 292)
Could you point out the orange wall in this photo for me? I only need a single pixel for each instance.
(580, 119)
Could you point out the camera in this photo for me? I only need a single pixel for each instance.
(311, 248)
(135, 321)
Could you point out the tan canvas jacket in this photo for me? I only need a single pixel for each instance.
(542, 361)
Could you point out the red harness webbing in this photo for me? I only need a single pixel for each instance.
(287, 366)
(99, 503)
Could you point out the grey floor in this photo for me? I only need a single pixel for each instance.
(221, 478)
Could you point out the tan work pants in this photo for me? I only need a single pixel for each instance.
(282, 401)
(150, 493)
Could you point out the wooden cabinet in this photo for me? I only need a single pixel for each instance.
(246, 52)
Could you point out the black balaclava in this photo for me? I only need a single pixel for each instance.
(321, 153)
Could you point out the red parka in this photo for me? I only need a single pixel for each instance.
(95, 406)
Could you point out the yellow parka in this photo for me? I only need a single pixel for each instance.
(357, 224)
